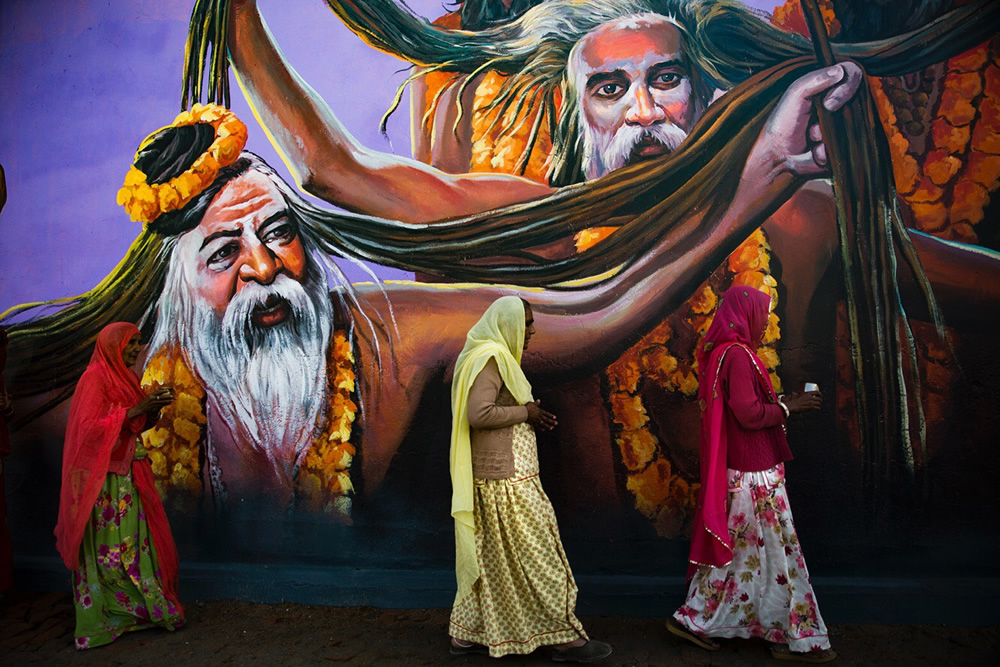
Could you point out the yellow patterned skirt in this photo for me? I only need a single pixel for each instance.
(526, 594)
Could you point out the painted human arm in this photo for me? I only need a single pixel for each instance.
(483, 410)
(741, 390)
(331, 164)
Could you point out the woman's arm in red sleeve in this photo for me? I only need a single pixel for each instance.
(742, 393)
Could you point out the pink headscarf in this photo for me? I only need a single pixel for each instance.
(740, 320)
(98, 423)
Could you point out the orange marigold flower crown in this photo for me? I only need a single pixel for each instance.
(145, 201)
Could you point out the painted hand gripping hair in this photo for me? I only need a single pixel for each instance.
(643, 144)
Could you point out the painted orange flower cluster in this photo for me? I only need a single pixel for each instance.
(665, 359)
(944, 130)
(324, 480)
(789, 16)
(174, 444)
(146, 201)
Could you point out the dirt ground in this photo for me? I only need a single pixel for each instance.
(37, 628)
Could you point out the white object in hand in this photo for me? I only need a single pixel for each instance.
(811, 386)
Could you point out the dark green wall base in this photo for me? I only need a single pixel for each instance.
(963, 601)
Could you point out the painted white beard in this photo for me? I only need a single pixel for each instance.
(604, 152)
(266, 384)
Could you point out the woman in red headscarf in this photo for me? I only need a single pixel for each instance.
(747, 574)
(112, 530)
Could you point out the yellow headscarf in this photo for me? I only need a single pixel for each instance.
(499, 334)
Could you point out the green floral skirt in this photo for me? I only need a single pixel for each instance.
(117, 587)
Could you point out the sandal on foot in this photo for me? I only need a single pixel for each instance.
(782, 652)
(591, 651)
(675, 628)
(471, 649)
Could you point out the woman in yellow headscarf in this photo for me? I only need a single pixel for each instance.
(516, 591)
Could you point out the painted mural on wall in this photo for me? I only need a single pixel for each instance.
(619, 163)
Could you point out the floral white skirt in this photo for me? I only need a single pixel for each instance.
(765, 591)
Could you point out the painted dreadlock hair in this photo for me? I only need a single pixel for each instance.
(480, 14)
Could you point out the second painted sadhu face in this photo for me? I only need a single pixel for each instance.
(636, 92)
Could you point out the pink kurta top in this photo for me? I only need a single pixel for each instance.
(754, 423)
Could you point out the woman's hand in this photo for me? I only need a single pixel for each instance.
(806, 402)
(152, 402)
(539, 419)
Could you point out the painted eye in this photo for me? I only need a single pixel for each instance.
(667, 79)
(610, 90)
(224, 255)
(281, 233)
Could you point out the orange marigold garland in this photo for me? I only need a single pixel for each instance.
(323, 482)
(789, 16)
(146, 201)
(174, 444)
(943, 126)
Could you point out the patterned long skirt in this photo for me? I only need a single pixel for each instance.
(526, 595)
(765, 591)
(117, 586)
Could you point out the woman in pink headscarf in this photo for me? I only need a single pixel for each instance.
(112, 530)
(747, 574)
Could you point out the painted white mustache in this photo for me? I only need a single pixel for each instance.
(616, 153)
(238, 326)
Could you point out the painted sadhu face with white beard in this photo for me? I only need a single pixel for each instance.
(251, 311)
(636, 94)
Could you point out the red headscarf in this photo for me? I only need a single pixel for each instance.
(97, 425)
(740, 320)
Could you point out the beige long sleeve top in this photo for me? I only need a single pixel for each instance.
(493, 412)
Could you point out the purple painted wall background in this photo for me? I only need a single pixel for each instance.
(83, 81)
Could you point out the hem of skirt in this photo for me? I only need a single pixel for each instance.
(743, 632)
(516, 646)
(104, 638)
